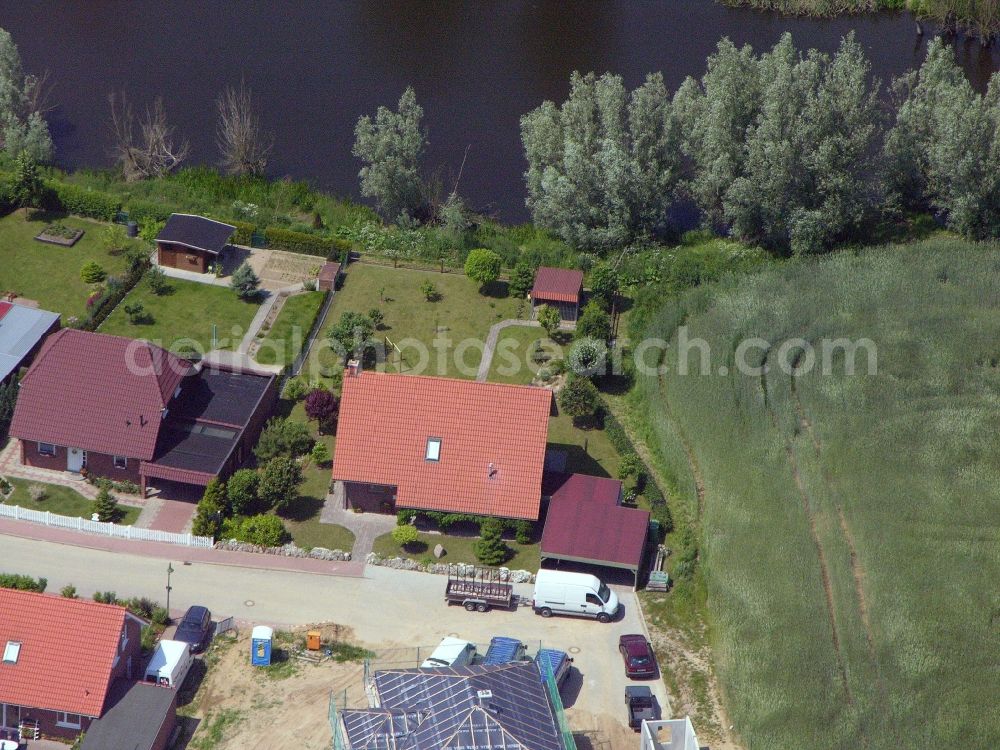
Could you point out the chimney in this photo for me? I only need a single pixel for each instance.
(484, 697)
(353, 368)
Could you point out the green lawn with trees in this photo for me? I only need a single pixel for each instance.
(62, 500)
(850, 519)
(185, 313)
(458, 313)
(50, 274)
(458, 549)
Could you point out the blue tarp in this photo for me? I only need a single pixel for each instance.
(554, 660)
(503, 650)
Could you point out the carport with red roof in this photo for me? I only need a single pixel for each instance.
(586, 523)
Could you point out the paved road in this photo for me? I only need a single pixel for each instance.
(385, 608)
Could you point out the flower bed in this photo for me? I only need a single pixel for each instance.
(59, 234)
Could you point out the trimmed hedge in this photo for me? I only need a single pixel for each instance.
(144, 212)
(73, 199)
(244, 232)
(300, 242)
(22, 582)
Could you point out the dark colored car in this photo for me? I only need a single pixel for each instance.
(638, 655)
(642, 705)
(195, 628)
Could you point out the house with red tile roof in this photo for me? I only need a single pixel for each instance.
(559, 288)
(62, 659)
(128, 410)
(428, 443)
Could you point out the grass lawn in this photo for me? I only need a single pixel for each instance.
(283, 342)
(590, 451)
(512, 359)
(64, 501)
(187, 312)
(302, 520)
(461, 314)
(48, 273)
(458, 550)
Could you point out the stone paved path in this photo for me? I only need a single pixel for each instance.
(365, 526)
(491, 343)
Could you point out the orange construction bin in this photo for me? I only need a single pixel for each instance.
(313, 640)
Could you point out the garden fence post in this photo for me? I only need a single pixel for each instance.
(48, 519)
(79, 524)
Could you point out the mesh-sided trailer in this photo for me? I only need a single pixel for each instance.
(504, 650)
(553, 662)
(477, 588)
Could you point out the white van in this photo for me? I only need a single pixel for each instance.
(169, 664)
(451, 652)
(564, 593)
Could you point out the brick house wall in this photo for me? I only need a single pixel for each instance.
(99, 464)
(128, 668)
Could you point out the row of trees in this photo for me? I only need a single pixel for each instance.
(786, 150)
(23, 96)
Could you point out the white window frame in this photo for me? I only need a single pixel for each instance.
(433, 449)
(63, 720)
(43, 452)
(123, 459)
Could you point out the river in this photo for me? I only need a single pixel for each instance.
(314, 67)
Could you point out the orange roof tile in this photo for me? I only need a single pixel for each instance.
(68, 647)
(492, 436)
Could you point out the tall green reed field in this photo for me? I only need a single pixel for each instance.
(851, 527)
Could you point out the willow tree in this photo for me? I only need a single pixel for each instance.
(603, 165)
(22, 106)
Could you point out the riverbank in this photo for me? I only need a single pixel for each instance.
(975, 19)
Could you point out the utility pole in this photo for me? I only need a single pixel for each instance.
(170, 569)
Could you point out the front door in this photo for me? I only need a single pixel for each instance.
(76, 459)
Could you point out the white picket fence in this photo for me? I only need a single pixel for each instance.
(101, 527)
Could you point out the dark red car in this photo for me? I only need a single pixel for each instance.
(638, 655)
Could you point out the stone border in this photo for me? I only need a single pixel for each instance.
(405, 563)
(61, 241)
(288, 550)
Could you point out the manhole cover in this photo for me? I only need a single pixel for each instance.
(248, 603)
(574, 649)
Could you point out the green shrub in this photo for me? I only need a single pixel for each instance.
(82, 201)
(300, 242)
(321, 454)
(241, 491)
(279, 482)
(106, 506)
(147, 639)
(661, 512)
(483, 266)
(147, 212)
(244, 232)
(405, 516)
(524, 532)
(160, 616)
(151, 230)
(264, 530)
(92, 273)
(295, 389)
(106, 597)
(68, 591)
(283, 437)
(22, 582)
(210, 510)
(490, 548)
(404, 535)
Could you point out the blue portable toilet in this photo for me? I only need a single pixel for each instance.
(260, 645)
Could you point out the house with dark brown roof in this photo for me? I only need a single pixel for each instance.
(427, 443)
(63, 659)
(587, 523)
(192, 243)
(128, 410)
(559, 288)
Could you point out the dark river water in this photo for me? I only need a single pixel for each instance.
(316, 66)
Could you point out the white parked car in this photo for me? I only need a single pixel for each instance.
(451, 652)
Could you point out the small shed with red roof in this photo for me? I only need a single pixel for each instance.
(586, 523)
(559, 288)
(63, 659)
